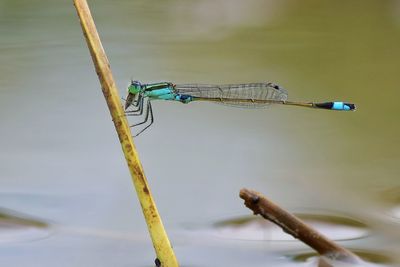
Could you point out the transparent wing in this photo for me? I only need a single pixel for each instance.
(234, 94)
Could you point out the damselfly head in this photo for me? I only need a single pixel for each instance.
(129, 99)
(133, 89)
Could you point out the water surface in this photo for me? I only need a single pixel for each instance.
(61, 163)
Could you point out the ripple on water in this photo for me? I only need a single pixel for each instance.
(17, 227)
(255, 228)
(369, 258)
(392, 198)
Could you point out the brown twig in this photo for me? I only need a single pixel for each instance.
(295, 227)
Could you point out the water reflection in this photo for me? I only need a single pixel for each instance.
(370, 259)
(216, 20)
(335, 227)
(391, 199)
(17, 227)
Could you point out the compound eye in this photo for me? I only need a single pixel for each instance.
(136, 83)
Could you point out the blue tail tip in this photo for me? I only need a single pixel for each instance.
(350, 106)
(343, 106)
(336, 106)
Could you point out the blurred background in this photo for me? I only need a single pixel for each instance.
(66, 197)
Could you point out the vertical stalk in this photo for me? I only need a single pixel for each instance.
(161, 243)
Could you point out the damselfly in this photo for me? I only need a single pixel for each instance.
(248, 95)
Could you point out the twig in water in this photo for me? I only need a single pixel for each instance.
(295, 227)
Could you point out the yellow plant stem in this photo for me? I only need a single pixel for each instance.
(162, 246)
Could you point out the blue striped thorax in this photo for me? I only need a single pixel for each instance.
(164, 91)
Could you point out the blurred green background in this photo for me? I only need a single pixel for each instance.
(61, 162)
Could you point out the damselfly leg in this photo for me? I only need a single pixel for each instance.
(140, 107)
(149, 113)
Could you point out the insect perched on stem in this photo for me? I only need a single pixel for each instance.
(246, 95)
